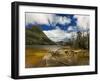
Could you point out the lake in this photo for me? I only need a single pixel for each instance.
(34, 56)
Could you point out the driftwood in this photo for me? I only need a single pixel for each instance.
(60, 57)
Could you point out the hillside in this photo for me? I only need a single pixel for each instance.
(35, 36)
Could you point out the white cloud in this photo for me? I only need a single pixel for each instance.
(42, 18)
(63, 20)
(58, 34)
(82, 21)
(39, 18)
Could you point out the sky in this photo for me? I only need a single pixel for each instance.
(58, 27)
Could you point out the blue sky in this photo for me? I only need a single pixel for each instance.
(57, 27)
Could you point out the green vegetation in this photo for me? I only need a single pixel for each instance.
(35, 36)
(81, 41)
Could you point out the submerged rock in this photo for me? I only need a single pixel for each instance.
(61, 57)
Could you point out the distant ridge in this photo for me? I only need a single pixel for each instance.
(35, 36)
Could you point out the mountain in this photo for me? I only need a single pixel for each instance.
(35, 36)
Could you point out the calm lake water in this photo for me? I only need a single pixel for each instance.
(34, 56)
